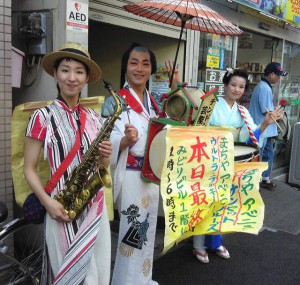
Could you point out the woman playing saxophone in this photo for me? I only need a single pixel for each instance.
(78, 251)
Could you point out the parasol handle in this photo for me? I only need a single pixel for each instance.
(178, 45)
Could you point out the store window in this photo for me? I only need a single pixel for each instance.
(215, 55)
(254, 52)
(289, 94)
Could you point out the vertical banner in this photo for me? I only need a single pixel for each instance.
(214, 79)
(201, 190)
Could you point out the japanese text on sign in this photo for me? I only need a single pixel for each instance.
(202, 191)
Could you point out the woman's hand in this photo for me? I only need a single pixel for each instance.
(131, 136)
(56, 210)
(105, 151)
(271, 117)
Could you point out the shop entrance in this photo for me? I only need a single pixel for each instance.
(107, 43)
(254, 52)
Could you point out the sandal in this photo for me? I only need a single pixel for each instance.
(201, 255)
(222, 252)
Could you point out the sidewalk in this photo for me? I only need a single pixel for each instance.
(272, 257)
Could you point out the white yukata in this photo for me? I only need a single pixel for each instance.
(224, 116)
(137, 200)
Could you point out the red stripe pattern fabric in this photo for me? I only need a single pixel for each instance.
(77, 259)
(252, 136)
(56, 125)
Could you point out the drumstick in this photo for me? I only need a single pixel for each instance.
(127, 109)
(274, 120)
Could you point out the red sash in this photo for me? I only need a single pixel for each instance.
(133, 103)
(68, 159)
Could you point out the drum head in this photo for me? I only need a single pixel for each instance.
(244, 152)
(157, 153)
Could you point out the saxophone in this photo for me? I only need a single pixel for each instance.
(88, 177)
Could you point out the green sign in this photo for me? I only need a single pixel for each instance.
(295, 102)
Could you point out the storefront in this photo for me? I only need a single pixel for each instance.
(266, 38)
(202, 57)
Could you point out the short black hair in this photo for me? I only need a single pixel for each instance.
(59, 60)
(138, 47)
(236, 72)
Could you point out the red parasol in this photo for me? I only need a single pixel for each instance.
(188, 14)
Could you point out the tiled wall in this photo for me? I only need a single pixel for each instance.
(6, 188)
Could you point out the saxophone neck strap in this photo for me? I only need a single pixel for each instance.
(133, 103)
(68, 159)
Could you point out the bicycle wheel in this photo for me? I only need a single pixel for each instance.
(22, 263)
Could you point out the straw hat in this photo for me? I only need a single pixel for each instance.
(76, 51)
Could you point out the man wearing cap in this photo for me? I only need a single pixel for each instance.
(261, 102)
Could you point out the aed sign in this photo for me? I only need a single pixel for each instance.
(77, 16)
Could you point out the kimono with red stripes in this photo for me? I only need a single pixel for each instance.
(79, 251)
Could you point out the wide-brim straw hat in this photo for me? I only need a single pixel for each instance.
(75, 51)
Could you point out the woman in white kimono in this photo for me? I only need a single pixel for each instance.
(137, 200)
(227, 113)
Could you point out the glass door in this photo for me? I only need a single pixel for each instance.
(215, 55)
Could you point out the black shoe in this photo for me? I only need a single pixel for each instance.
(267, 184)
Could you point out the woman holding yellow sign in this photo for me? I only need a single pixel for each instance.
(227, 113)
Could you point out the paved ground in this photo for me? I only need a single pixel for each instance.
(272, 257)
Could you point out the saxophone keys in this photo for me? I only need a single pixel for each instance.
(60, 194)
(73, 187)
(85, 194)
(72, 214)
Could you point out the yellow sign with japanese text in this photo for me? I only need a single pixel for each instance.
(212, 61)
(293, 12)
(203, 190)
